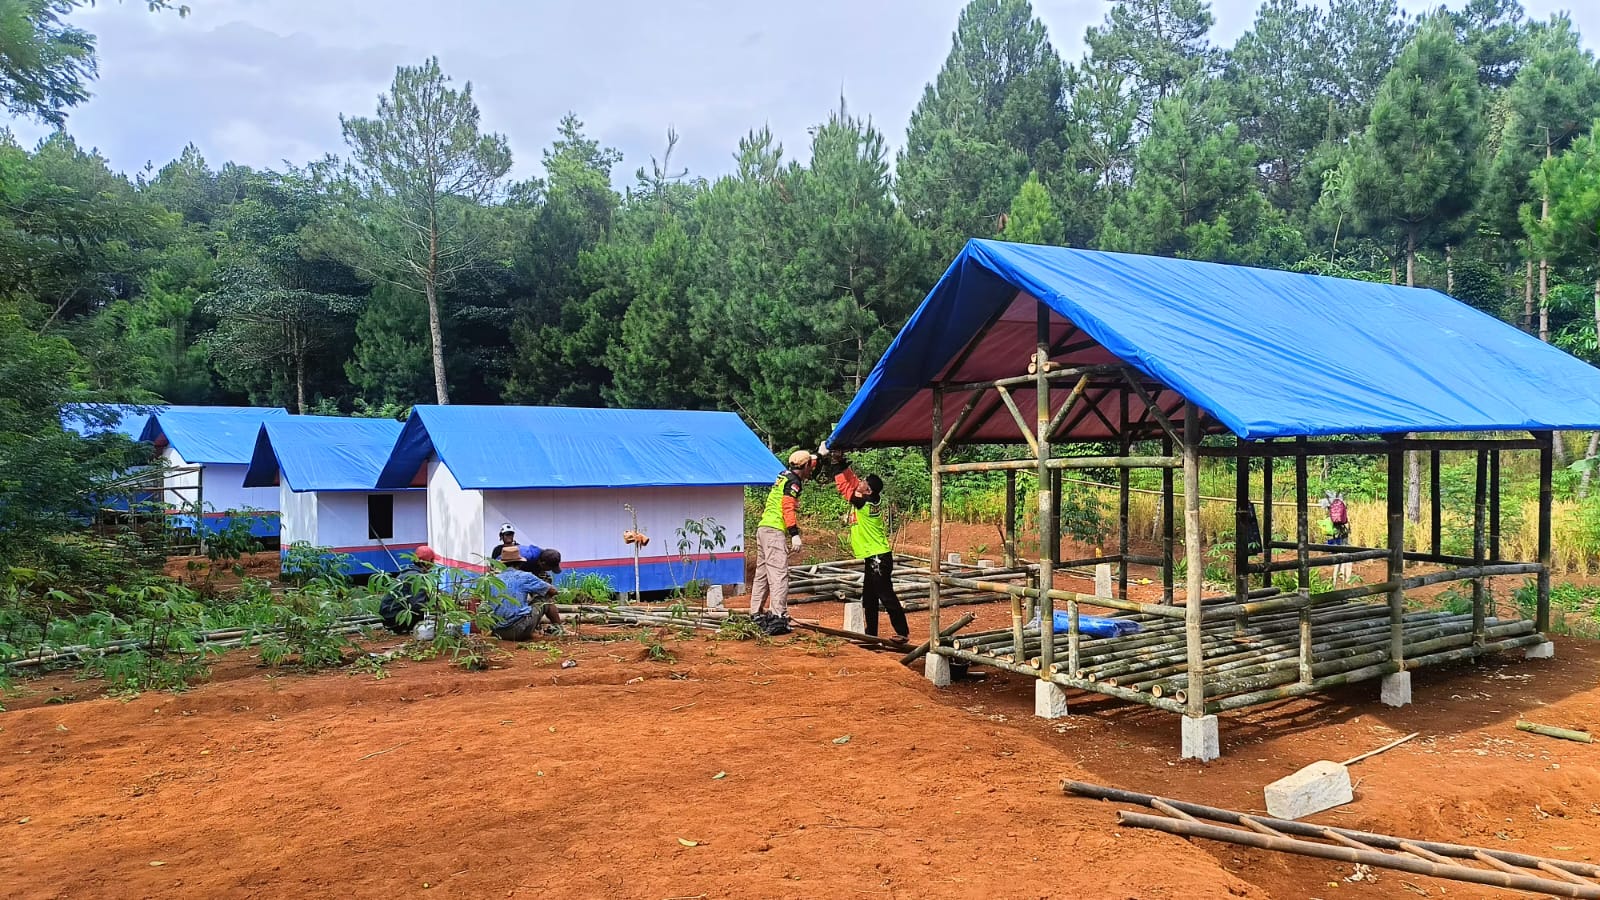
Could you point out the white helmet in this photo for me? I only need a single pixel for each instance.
(508, 528)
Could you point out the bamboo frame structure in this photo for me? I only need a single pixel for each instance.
(1199, 655)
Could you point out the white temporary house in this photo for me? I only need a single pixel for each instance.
(565, 477)
(207, 451)
(324, 469)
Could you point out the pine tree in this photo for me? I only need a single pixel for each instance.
(991, 115)
(1156, 46)
(1033, 219)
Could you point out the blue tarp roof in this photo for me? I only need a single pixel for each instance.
(321, 453)
(90, 419)
(1264, 353)
(508, 447)
(205, 435)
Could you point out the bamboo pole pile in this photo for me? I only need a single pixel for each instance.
(842, 580)
(644, 616)
(217, 639)
(1457, 862)
(1260, 660)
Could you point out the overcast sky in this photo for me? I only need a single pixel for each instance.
(263, 81)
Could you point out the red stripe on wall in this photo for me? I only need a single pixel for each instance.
(565, 563)
(363, 547)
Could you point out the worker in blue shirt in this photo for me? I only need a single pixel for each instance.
(525, 599)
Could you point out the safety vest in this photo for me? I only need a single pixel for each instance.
(868, 537)
(772, 515)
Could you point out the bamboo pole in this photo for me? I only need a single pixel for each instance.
(1066, 462)
(1308, 829)
(1047, 510)
(922, 649)
(1267, 461)
(1479, 499)
(1566, 734)
(1382, 448)
(1397, 542)
(1241, 497)
(1008, 528)
(1436, 505)
(1494, 505)
(1055, 373)
(1407, 863)
(1124, 496)
(1194, 611)
(1541, 619)
(935, 520)
(1167, 517)
(1319, 562)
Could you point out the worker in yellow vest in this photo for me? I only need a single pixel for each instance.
(777, 534)
(869, 541)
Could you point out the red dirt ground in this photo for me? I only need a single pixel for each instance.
(531, 780)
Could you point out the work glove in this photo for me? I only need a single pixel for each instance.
(794, 543)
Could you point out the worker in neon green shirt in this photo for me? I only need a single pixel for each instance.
(869, 541)
(777, 533)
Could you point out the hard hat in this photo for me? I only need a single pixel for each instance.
(425, 553)
(799, 458)
(508, 528)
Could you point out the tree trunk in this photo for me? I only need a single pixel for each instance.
(1527, 295)
(1413, 460)
(1449, 271)
(435, 329)
(300, 382)
(1544, 263)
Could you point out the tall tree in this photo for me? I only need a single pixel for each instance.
(1417, 167)
(993, 113)
(1362, 38)
(1276, 73)
(1554, 97)
(1156, 45)
(422, 165)
(560, 335)
(267, 326)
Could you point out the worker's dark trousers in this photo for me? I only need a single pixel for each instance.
(879, 585)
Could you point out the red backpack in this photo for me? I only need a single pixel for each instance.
(1337, 512)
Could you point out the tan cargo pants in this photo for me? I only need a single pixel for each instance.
(772, 572)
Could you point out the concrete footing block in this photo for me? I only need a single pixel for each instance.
(1546, 650)
(1049, 700)
(1102, 580)
(714, 597)
(1322, 785)
(937, 669)
(855, 618)
(953, 559)
(1395, 690)
(1200, 740)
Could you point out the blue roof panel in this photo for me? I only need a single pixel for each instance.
(321, 453)
(511, 447)
(1265, 353)
(205, 435)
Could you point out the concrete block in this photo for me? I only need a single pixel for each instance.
(985, 563)
(739, 590)
(714, 597)
(1395, 689)
(1200, 739)
(1049, 700)
(1322, 785)
(937, 669)
(855, 618)
(1546, 650)
(1102, 580)
(953, 559)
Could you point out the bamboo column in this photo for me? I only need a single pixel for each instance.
(1267, 463)
(1302, 525)
(1436, 503)
(1047, 549)
(1008, 528)
(1397, 561)
(1480, 489)
(1055, 513)
(1193, 612)
(935, 518)
(1123, 493)
(1541, 621)
(1167, 516)
(1241, 499)
(1494, 505)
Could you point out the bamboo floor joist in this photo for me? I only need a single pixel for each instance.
(1457, 862)
(842, 580)
(1255, 662)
